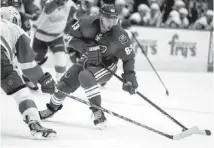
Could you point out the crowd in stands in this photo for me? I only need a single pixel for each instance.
(185, 14)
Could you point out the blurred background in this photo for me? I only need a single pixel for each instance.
(188, 14)
(176, 33)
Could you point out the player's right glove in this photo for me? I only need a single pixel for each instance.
(130, 82)
(47, 83)
(94, 56)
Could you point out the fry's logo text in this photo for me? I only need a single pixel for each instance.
(149, 46)
(185, 48)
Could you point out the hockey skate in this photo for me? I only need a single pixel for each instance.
(100, 120)
(49, 112)
(39, 132)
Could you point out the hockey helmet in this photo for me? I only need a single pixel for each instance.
(108, 16)
(11, 14)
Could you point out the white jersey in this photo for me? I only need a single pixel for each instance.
(51, 26)
(10, 34)
(16, 42)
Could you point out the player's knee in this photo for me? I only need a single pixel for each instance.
(87, 79)
(69, 81)
(11, 82)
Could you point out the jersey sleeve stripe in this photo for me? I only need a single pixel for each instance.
(8, 48)
(28, 65)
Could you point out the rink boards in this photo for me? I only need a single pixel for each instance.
(172, 49)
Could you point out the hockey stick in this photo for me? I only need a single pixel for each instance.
(167, 92)
(182, 135)
(193, 130)
(186, 132)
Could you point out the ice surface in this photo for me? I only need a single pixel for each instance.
(190, 102)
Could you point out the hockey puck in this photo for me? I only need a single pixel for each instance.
(208, 132)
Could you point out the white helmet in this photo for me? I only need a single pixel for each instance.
(120, 2)
(183, 11)
(209, 13)
(155, 6)
(11, 14)
(143, 7)
(179, 3)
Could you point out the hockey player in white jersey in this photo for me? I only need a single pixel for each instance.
(15, 42)
(49, 33)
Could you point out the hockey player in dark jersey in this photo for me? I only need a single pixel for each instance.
(84, 9)
(103, 41)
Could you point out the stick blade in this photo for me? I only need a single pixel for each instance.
(191, 131)
(186, 133)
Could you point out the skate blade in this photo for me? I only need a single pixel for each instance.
(101, 126)
(39, 136)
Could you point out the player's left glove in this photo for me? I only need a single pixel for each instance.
(130, 82)
(47, 83)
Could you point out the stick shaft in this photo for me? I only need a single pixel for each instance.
(150, 63)
(120, 116)
(150, 102)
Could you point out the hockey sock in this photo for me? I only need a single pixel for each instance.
(60, 70)
(92, 91)
(57, 99)
(60, 66)
(27, 106)
(93, 95)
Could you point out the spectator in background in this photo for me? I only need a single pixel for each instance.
(155, 15)
(205, 22)
(183, 16)
(141, 17)
(196, 9)
(120, 6)
(199, 24)
(173, 20)
(4, 3)
(94, 11)
(130, 5)
(178, 4)
(123, 13)
(209, 15)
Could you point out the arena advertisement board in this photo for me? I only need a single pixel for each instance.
(171, 49)
(211, 53)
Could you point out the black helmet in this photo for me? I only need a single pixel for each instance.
(109, 11)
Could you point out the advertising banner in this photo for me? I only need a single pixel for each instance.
(211, 53)
(171, 49)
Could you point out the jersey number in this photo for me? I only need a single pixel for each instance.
(128, 50)
(76, 25)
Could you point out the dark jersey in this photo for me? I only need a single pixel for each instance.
(25, 22)
(117, 45)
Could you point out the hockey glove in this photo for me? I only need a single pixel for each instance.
(130, 83)
(47, 83)
(94, 56)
